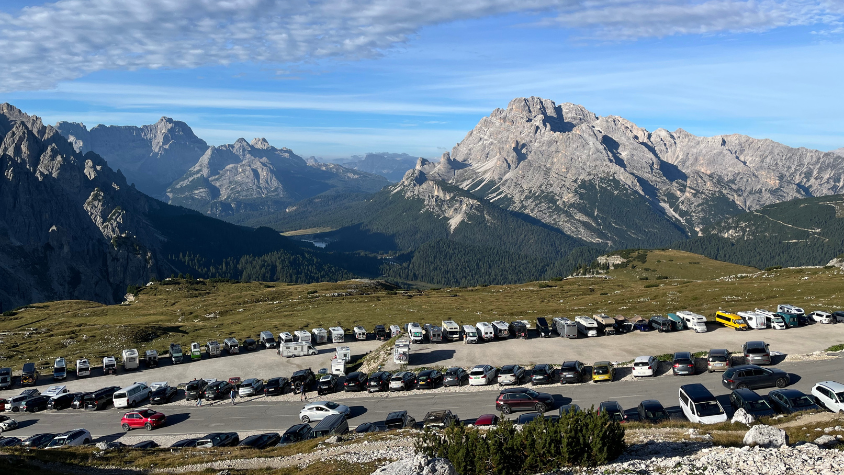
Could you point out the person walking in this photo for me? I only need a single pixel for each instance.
(233, 395)
(199, 400)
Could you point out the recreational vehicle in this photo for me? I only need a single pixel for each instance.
(59, 369)
(176, 353)
(343, 353)
(605, 323)
(109, 365)
(266, 338)
(83, 368)
(231, 346)
(302, 336)
(151, 358)
(470, 334)
(565, 327)
(338, 367)
(401, 352)
(320, 335)
(195, 351)
(587, 326)
(755, 320)
(451, 330)
(775, 321)
(435, 333)
(395, 331)
(337, 334)
(285, 337)
(791, 320)
(501, 329)
(416, 332)
(623, 325)
(130, 359)
(485, 331)
(790, 309)
(693, 320)
(676, 321)
(380, 332)
(360, 333)
(299, 348)
(212, 348)
(5, 378)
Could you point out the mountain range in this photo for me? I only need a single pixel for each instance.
(392, 166)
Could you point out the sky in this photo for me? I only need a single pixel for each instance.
(338, 78)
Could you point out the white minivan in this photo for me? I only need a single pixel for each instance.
(829, 394)
(700, 406)
(131, 396)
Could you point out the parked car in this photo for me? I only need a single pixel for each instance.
(641, 324)
(303, 377)
(355, 381)
(442, 418)
(429, 379)
(219, 439)
(261, 441)
(821, 317)
(838, 317)
(403, 380)
(276, 386)
(7, 424)
(652, 411)
(399, 420)
(528, 417)
(185, 443)
(542, 374)
(195, 389)
(752, 403)
(296, 433)
(752, 376)
(367, 427)
(482, 374)
(718, 360)
(683, 364)
(62, 401)
(645, 366)
(829, 395)
(612, 409)
(146, 444)
(38, 441)
(511, 374)
(146, 418)
(162, 393)
(16, 402)
(218, 390)
(699, 405)
(756, 352)
(380, 332)
(251, 387)
(486, 420)
(542, 327)
(603, 371)
(250, 344)
(79, 401)
(35, 404)
(568, 408)
(70, 438)
(572, 372)
(327, 384)
(10, 442)
(319, 410)
(378, 381)
(789, 401)
(523, 399)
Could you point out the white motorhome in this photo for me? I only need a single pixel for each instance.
(343, 353)
(213, 348)
(790, 309)
(395, 331)
(83, 368)
(416, 332)
(360, 333)
(565, 327)
(693, 320)
(587, 326)
(435, 333)
(501, 329)
(338, 367)
(176, 353)
(298, 348)
(130, 359)
(54, 391)
(109, 365)
(231, 345)
(337, 334)
(401, 352)
(774, 321)
(130, 396)
(285, 337)
(302, 336)
(59, 369)
(267, 339)
(470, 334)
(451, 330)
(320, 335)
(755, 320)
(485, 331)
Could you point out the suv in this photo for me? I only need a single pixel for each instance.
(38, 441)
(751, 376)
(699, 405)
(751, 402)
(146, 418)
(455, 377)
(683, 363)
(542, 374)
(303, 377)
(100, 399)
(660, 323)
(613, 409)
(652, 411)
(251, 387)
(379, 381)
(718, 360)
(327, 384)
(829, 394)
(403, 380)
(276, 386)
(35, 404)
(62, 401)
(296, 433)
(218, 390)
(219, 439)
(442, 419)
(194, 389)
(572, 372)
(399, 420)
(355, 381)
(789, 401)
(756, 352)
(70, 438)
(511, 374)
(482, 374)
(523, 399)
(429, 379)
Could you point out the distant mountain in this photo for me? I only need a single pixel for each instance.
(609, 182)
(151, 156)
(392, 166)
(839, 151)
(794, 233)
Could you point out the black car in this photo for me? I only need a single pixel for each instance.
(194, 389)
(803, 320)
(185, 443)
(355, 381)
(542, 327)
(219, 439)
(837, 317)
(572, 372)
(455, 377)
(518, 330)
(147, 444)
(100, 399)
(380, 332)
(218, 390)
(327, 384)
(163, 395)
(399, 420)
(261, 441)
(38, 441)
(402, 381)
(250, 344)
(542, 374)
(296, 433)
(302, 378)
(429, 379)
(78, 401)
(752, 376)
(62, 401)
(10, 442)
(528, 417)
(652, 411)
(442, 418)
(276, 386)
(379, 381)
(789, 401)
(367, 427)
(613, 409)
(752, 403)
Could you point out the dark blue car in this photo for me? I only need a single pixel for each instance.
(641, 324)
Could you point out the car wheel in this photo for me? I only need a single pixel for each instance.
(540, 408)
(782, 382)
(306, 419)
(148, 426)
(86, 441)
(126, 427)
(506, 409)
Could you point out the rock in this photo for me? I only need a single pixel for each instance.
(826, 441)
(333, 439)
(741, 416)
(102, 445)
(418, 465)
(765, 436)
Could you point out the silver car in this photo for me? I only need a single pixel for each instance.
(511, 374)
(251, 387)
(319, 410)
(71, 438)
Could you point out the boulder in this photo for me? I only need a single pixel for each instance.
(826, 441)
(743, 417)
(418, 465)
(765, 436)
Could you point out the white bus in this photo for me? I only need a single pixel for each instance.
(131, 396)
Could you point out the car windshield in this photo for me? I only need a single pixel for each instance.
(471, 334)
(777, 319)
(740, 322)
(507, 370)
(729, 373)
(656, 414)
(802, 401)
(708, 408)
(758, 405)
(58, 442)
(601, 370)
(192, 386)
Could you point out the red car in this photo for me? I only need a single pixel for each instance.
(486, 420)
(146, 418)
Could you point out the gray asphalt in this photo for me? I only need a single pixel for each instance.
(263, 415)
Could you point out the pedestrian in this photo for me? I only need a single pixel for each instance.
(302, 396)
(234, 395)
(465, 340)
(199, 400)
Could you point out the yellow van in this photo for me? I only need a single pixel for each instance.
(730, 320)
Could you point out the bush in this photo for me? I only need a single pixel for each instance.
(662, 277)
(650, 286)
(769, 269)
(643, 278)
(584, 439)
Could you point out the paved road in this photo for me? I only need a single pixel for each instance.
(261, 414)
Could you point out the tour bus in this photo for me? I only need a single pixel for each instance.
(587, 326)
(337, 334)
(485, 331)
(131, 396)
(693, 320)
(730, 320)
(470, 334)
(451, 330)
(130, 359)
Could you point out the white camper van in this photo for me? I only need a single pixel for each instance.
(755, 320)
(131, 396)
(485, 331)
(298, 348)
(451, 330)
(470, 333)
(587, 326)
(338, 367)
(59, 369)
(320, 335)
(285, 337)
(774, 321)
(130, 359)
(415, 331)
(267, 339)
(435, 333)
(109, 365)
(790, 309)
(565, 327)
(337, 334)
(302, 336)
(360, 333)
(231, 345)
(83, 368)
(213, 348)
(501, 329)
(693, 320)
(395, 331)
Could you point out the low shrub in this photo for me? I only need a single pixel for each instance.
(650, 286)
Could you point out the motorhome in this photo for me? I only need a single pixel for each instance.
(59, 369)
(775, 321)
(756, 321)
(564, 327)
(790, 309)
(470, 334)
(337, 334)
(416, 332)
(623, 325)
(586, 326)
(401, 352)
(267, 339)
(606, 324)
(195, 351)
(54, 391)
(303, 336)
(298, 348)
(501, 329)
(320, 335)
(338, 367)
(451, 330)
(176, 354)
(83, 368)
(360, 333)
(151, 358)
(395, 331)
(485, 331)
(693, 320)
(435, 333)
(343, 353)
(5, 378)
(212, 348)
(231, 346)
(109, 365)
(130, 359)
(380, 333)
(285, 337)
(791, 320)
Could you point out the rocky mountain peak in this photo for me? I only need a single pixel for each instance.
(261, 143)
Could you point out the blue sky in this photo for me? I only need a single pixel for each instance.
(333, 79)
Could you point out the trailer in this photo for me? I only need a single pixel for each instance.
(401, 352)
(501, 329)
(416, 332)
(485, 331)
(755, 320)
(435, 333)
(451, 330)
(395, 331)
(231, 345)
(302, 336)
(605, 323)
(337, 334)
(195, 351)
(109, 365)
(297, 348)
(176, 353)
(470, 334)
(587, 326)
(775, 321)
(320, 335)
(267, 339)
(564, 327)
(151, 358)
(83, 368)
(360, 333)
(59, 369)
(130, 359)
(693, 320)
(212, 348)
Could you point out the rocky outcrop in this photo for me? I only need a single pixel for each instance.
(765, 436)
(742, 417)
(418, 465)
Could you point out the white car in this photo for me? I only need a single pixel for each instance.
(71, 438)
(319, 410)
(821, 317)
(7, 423)
(482, 374)
(251, 387)
(285, 337)
(829, 394)
(645, 366)
(700, 406)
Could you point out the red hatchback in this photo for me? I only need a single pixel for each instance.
(146, 418)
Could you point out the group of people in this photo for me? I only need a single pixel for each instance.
(299, 388)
